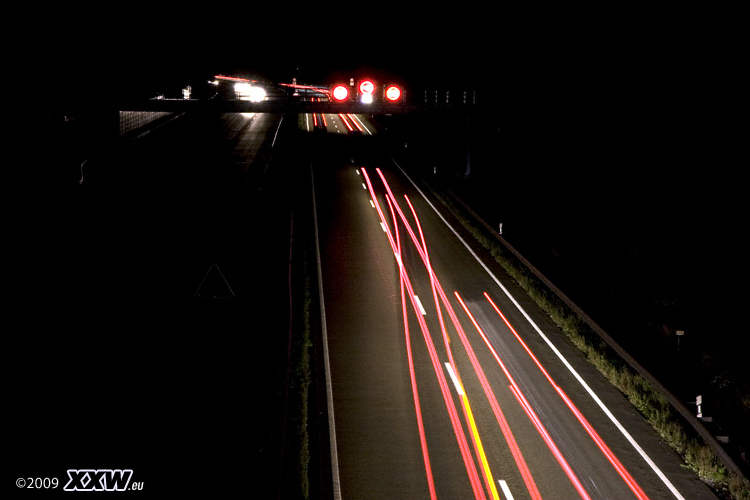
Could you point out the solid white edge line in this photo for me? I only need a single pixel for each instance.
(455, 379)
(583, 383)
(506, 490)
(273, 143)
(326, 360)
(419, 304)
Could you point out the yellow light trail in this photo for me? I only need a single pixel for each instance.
(474, 431)
(480, 449)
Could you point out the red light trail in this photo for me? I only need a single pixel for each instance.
(589, 429)
(531, 414)
(346, 122)
(439, 297)
(457, 428)
(476, 441)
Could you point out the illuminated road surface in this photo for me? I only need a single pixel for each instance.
(247, 133)
(415, 416)
(447, 381)
(337, 123)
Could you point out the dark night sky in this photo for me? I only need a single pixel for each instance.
(673, 67)
(669, 82)
(543, 54)
(130, 45)
(579, 80)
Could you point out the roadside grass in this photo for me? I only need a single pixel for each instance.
(696, 454)
(296, 480)
(304, 376)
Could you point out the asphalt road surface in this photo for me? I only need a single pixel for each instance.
(520, 413)
(117, 362)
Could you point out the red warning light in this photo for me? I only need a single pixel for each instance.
(366, 87)
(393, 93)
(340, 92)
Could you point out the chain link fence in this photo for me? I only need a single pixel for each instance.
(131, 121)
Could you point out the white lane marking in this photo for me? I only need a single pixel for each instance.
(506, 490)
(583, 383)
(273, 143)
(371, 203)
(363, 185)
(357, 171)
(455, 379)
(336, 486)
(383, 226)
(419, 304)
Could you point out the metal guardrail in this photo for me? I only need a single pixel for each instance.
(684, 412)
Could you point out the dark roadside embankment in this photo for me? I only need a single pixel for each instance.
(120, 361)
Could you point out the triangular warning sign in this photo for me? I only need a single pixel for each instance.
(214, 285)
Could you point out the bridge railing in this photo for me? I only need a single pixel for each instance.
(239, 106)
(431, 100)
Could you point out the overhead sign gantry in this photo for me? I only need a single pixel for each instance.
(366, 92)
(365, 95)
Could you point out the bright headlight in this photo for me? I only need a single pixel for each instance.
(247, 92)
(257, 94)
(242, 88)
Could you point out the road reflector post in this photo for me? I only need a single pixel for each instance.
(679, 334)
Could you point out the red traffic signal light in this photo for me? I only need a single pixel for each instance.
(393, 93)
(340, 92)
(366, 87)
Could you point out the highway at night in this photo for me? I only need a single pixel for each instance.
(452, 383)
(434, 375)
(377, 251)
